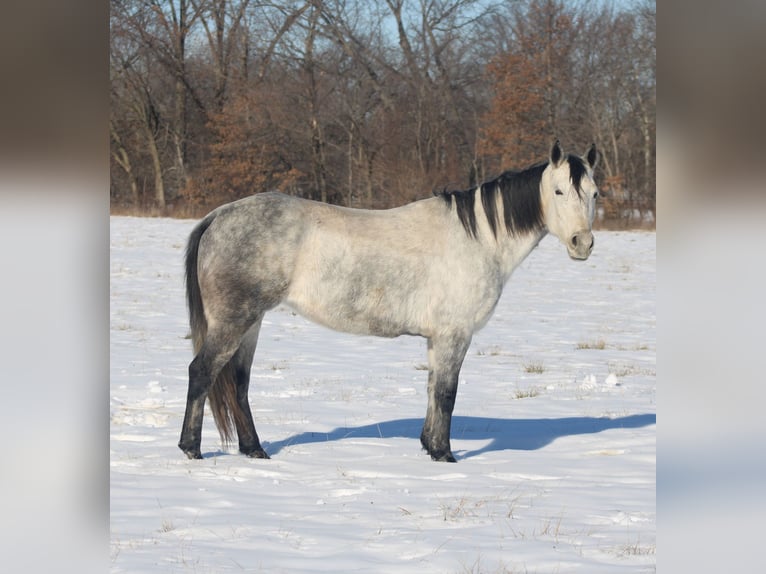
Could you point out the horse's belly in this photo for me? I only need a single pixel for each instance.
(353, 315)
(359, 287)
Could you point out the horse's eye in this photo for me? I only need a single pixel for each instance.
(559, 192)
(595, 194)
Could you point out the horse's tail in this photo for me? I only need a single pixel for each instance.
(223, 391)
(197, 321)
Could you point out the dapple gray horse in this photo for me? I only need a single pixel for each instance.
(434, 268)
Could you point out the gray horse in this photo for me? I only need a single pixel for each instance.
(434, 268)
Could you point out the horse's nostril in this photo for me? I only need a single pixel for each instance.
(574, 241)
(592, 242)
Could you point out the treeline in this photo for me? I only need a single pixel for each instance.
(374, 104)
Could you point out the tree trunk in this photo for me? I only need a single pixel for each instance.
(318, 167)
(646, 132)
(180, 135)
(120, 155)
(159, 187)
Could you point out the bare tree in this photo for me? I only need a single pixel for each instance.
(224, 24)
(534, 85)
(312, 97)
(621, 106)
(373, 104)
(133, 94)
(163, 27)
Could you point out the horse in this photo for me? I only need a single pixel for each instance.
(433, 268)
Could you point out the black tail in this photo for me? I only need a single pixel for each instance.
(223, 392)
(197, 320)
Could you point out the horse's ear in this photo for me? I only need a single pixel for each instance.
(557, 155)
(592, 156)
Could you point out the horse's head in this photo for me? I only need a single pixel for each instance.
(568, 198)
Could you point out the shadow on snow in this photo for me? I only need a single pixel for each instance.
(503, 434)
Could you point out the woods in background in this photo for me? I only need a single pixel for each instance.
(374, 104)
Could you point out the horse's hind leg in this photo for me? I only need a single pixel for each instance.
(218, 348)
(445, 357)
(202, 372)
(242, 362)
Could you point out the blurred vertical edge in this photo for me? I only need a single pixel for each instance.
(54, 302)
(712, 280)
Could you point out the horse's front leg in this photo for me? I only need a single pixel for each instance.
(445, 357)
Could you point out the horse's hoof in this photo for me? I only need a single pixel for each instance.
(191, 453)
(437, 454)
(443, 457)
(257, 454)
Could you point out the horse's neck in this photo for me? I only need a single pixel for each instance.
(514, 250)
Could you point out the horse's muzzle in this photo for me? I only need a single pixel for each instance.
(580, 245)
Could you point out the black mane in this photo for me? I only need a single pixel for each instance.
(520, 193)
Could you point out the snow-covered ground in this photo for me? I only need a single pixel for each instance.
(554, 430)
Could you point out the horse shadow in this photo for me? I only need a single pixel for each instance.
(502, 434)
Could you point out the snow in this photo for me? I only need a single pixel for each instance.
(554, 430)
